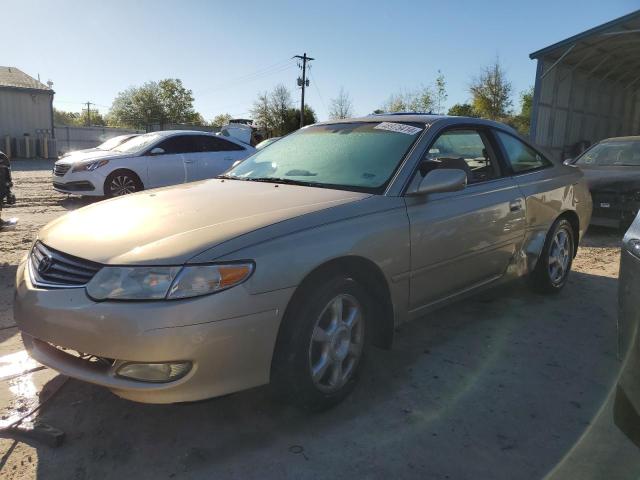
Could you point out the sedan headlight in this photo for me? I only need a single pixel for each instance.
(89, 166)
(159, 283)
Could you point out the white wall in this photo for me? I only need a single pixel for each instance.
(24, 111)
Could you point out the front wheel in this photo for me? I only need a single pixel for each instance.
(121, 182)
(322, 343)
(552, 270)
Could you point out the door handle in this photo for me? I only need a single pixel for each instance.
(188, 161)
(228, 158)
(515, 205)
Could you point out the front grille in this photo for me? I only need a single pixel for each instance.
(59, 169)
(53, 269)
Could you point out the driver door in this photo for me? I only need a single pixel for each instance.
(463, 239)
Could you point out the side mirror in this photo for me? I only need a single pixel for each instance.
(441, 180)
(568, 161)
(156, 151)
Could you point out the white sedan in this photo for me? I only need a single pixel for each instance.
(148, 161)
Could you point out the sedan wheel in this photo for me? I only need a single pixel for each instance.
(554, 264)
(559, 256)
(337, 343)
(121, 183)
(322, 342)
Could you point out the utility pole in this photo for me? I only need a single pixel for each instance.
(303, 82)
(88, 114)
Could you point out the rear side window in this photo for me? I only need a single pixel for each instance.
(521, 156)
(216, 144)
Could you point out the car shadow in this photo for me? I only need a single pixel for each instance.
(501, 385)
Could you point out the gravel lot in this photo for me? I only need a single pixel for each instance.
(500, 386)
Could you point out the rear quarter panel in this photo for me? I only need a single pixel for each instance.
(549, 193)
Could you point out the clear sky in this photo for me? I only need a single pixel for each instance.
(227, 52)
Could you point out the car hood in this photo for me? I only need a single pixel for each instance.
(173, 224)
(612, 178)
(86, 155)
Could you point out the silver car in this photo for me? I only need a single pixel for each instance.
(287, 268)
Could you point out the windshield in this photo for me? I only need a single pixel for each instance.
(360, 156)
(137, 144)
(619, 153)
(113, 142)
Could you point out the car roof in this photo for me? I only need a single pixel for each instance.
(169, 133)
(425, 118)
(630, 138)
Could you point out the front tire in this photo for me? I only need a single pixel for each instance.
(322, 343)
(552, 270)
(122, 182)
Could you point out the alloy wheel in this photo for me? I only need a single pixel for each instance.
(122, 185)
(559, 256)
(337, 343)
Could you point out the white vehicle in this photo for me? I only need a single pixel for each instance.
(109, 144)
(148, 161)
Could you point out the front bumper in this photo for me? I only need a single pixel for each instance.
(229, 337)
(74, 187)
(79, 183)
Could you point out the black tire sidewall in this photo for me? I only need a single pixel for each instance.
(292, 375)
(110, 177)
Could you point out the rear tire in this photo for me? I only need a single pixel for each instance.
(552, 270)
(122, 182)
(322, 343)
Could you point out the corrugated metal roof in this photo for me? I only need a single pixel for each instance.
(601, 36)
(16, 78)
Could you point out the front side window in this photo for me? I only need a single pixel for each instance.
(521, 156)
(179, 144)
(358, 156)
(617, 153)
(464, 150)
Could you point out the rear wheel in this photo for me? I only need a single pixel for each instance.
(553, 267)
(322, 344)
(122, 182)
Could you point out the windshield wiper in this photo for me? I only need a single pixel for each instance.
(231, 177)
(287, 181)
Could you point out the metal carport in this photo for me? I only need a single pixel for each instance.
(587, 86)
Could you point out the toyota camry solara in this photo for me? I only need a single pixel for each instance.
(288, 267)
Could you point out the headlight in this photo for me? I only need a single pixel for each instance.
(633, 246)
(159, 283)
(89, 166)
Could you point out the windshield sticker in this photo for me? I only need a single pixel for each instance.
(398, 127)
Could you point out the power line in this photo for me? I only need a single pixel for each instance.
(315, 84)
(264, 72)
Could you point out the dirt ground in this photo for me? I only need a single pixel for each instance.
(500, 386)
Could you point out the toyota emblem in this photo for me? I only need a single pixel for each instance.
(45, 264)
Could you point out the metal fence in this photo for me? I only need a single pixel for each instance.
(77, 138)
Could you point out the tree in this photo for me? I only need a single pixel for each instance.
(522, 121)
(420, 100)
(166, 101)
(441, 93)
(341, 106)
(274, 113)
(62, 118)
(74, 119)
(221, 120)
(491, 92)
(462, 110)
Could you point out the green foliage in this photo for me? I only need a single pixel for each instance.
(491, 92)
(74, 119)
(163, 102)
(273, 112)
(522, 121)
(221, 120)
(463, 110)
